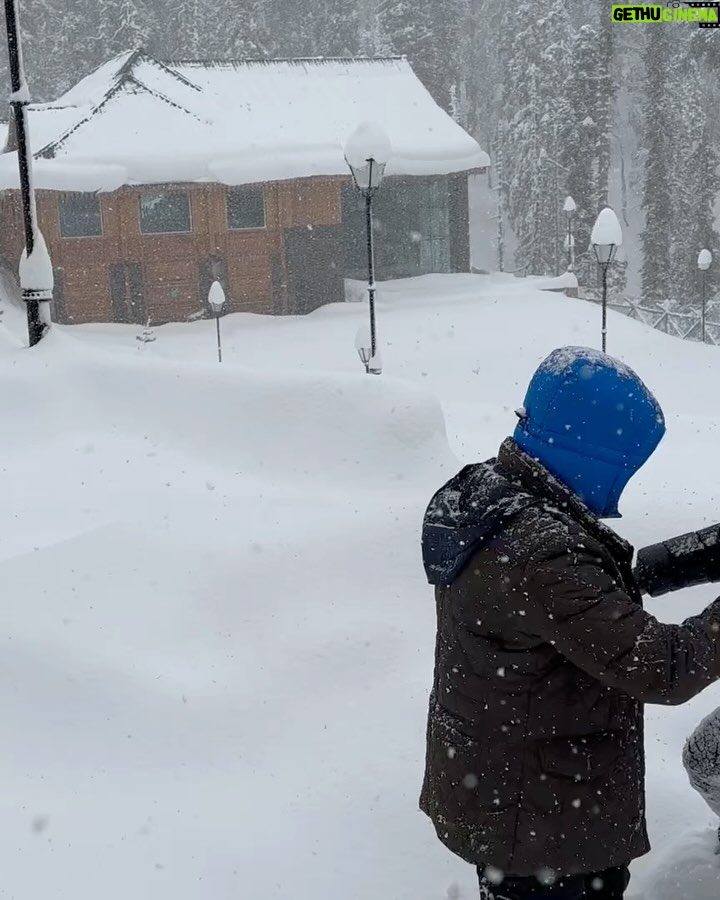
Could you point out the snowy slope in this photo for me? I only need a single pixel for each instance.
(218, 639)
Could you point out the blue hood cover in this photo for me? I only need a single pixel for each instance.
(592, 423)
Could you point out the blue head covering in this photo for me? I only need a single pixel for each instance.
(592, 423)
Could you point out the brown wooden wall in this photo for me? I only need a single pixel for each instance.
(173, 267)
(293, 265)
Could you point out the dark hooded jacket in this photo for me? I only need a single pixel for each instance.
(544, 658)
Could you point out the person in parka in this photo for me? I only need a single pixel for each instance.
(544, 654)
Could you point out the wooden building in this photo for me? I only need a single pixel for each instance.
(155, 179)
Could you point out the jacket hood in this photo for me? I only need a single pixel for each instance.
(592, 423)
(463, 515)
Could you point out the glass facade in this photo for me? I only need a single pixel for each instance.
(411, 225)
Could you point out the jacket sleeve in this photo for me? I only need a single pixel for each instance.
(575, 604)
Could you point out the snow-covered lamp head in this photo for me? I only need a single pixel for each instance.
(705, 259)
(569, 206)
(606, 236)
(216, 298)
(367, 153)
(36, 271)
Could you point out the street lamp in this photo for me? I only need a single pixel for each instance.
(363, 343)
(367, 153)
(606, 237)
(216, 299)
(704, 262)
(569, 208)
(36, 274)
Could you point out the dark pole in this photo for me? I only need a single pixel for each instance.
(500, 212)
(604, 307)
(217, 323)
(569, 240)
(704, 304)
(19, 103)
(371, 270)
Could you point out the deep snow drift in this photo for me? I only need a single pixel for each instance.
(217, 634)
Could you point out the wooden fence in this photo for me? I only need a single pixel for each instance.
(685, 324)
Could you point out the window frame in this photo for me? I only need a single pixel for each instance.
(163, 192)
(80, 237)
(245, 187)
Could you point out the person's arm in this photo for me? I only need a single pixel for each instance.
(576, 605)
(679, 562)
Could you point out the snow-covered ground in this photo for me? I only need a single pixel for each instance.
(217, 638)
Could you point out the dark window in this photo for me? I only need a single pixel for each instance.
(245, 207)
(165, 212)
(80, 215)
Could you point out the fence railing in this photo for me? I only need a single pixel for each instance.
(683, 324)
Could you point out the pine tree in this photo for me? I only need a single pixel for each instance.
(374, 40)
(535, 113)
(432, 36)
(186, 29)
(603, 107)
(692, 183)
(236, 29)
(580, 152)
(59, 45)
(657, 194)
(127, 25)
(315, 27)
(408, 26)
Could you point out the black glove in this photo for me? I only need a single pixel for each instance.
(681, 562)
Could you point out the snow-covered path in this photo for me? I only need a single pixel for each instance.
(218, 639)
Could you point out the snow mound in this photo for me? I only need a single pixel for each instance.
(701, 758)
(687, 870)
(326, 427)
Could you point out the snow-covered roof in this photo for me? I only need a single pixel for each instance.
(137, 120)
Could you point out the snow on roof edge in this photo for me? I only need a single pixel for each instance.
(273, 135)
(88, 176)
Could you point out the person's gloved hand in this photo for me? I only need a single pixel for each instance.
(680, 562)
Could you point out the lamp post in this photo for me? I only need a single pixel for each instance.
(36, 274)
(216, 299)
(704, 262)
(606, 237)
(569, 208)
(363, 343)
(367, 153)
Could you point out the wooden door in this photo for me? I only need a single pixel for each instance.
(314, 258)
(127, 294)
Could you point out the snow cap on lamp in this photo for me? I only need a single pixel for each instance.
(367, 152)
(704, 260)
(36, 271)
(606, 235)
(216, 298)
